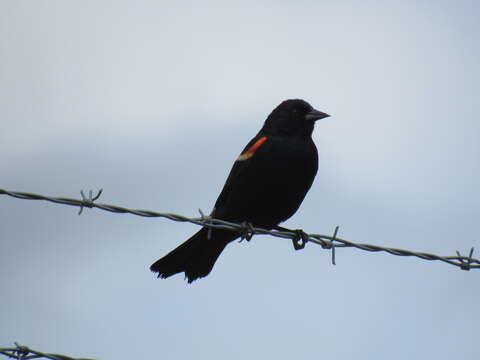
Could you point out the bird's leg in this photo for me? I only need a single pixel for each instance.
(300, 239)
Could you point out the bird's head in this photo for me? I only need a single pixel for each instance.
(293, 118)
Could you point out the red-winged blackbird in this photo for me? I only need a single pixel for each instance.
(266, 185)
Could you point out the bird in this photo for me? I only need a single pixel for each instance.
(265, 187)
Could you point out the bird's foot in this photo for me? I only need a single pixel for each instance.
(247, 231)
(300, 239)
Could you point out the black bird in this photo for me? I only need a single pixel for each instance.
(266, 185)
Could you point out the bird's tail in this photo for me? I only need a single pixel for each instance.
(196, 256)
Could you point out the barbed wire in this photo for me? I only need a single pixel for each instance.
(246, 230)
(22, 352)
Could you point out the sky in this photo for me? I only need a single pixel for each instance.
(153, 100)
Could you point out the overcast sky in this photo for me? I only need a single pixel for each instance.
(153, 100)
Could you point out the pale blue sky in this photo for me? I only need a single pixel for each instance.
(152, 101)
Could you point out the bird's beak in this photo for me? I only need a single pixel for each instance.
(315, 115)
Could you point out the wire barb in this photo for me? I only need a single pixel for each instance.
(334, 237)
(465, 262)
(88, 202)
(206, 220)
(22, 352)
(325, 241)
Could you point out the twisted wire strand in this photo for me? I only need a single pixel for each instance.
(247, 230)
(22, 352)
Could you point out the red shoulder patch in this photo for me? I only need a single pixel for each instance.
(251, 150)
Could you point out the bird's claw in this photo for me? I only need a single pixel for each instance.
(300, 239)
(247, 231)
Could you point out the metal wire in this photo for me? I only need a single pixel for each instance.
(246, 230)
(22, 352)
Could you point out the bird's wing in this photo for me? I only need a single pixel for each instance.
(242, 163)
